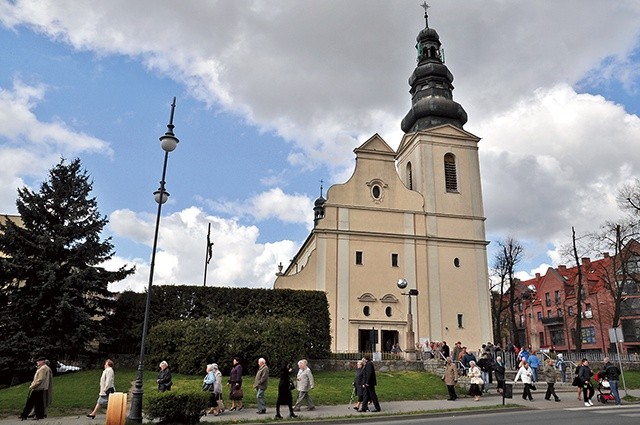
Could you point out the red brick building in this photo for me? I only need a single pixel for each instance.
(547, 316)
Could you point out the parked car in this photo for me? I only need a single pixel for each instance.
(63, 368)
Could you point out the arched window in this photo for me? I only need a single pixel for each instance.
(409, 176)
(450, 174)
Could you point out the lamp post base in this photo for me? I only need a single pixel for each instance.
(135, 414)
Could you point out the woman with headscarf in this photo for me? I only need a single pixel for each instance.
(285, 385)
(475, 379)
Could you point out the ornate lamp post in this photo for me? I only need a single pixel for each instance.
(168, 142)
(410, 348)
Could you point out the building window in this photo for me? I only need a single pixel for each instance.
(539, 315)
(359, 258)
(541, 336)
(409, 176)
(559, 312)
(588, 307)
(456, 262)
(547, 299)
(557, 337)
(588, 335)
(557, 297)
(520, 306)
(570, 311)
(388, 311)
(366, 310)
(460, 324)
(376, 191)
(522, 320)
(450, 174)
(582, 293)
(548, 313)
(394, 260)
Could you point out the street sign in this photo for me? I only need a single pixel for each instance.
(615, 335)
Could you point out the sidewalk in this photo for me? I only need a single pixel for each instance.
(248, 414)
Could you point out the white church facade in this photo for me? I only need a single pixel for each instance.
(414, 215)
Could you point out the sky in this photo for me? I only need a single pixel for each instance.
(273, 96)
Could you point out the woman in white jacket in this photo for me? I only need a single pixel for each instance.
(526, 375)
(107, 387)
(476, 381)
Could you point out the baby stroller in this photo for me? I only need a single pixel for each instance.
(604, 389)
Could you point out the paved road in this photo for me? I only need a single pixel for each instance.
(569, 408)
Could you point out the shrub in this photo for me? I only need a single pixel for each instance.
(189, 345)
(176, 407)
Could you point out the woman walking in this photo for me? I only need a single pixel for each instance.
(235, 382)
(476, 381)
(107, 386)
(217, 390)
(450, 378)
(358, 384)
(526, 375)
(208, 384)
(285, 385)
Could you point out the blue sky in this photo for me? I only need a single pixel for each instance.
(273, 97)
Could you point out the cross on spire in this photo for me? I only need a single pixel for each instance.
(425, 6)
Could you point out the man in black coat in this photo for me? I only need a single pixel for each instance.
(369, 386)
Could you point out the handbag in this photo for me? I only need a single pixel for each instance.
(207, 387)
(111, 390)
(576, 382)
(291, 385)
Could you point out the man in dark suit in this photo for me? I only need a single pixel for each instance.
(369, 386)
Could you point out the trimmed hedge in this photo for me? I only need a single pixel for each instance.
(171, 302)
(176, 407)
(189, 345)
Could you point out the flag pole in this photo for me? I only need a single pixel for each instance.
(208, 253)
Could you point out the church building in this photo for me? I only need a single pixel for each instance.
(400, 248)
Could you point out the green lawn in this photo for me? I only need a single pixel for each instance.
(76, 393)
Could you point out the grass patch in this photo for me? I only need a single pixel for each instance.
(76, 393)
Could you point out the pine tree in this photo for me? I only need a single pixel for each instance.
(53, 290)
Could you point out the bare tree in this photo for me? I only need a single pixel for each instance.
(618, 242)
(578, 329)
(504, 263)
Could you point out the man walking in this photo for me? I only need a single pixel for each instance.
(260, 384)
(40, 389)
(612, 373)
(369, 386)
(304, 385)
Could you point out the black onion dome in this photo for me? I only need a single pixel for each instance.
(431, 90)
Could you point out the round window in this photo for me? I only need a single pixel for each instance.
(456, 262)
(366, 310)
(376, 191)
(388, 311)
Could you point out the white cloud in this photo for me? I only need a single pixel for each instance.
(554, 161)
(238, 259)
(273, 203)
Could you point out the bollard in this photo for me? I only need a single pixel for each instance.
(117, 409)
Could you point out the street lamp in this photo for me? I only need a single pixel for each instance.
(410, 348)
(168, 143)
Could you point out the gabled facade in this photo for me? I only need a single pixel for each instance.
(415, 214)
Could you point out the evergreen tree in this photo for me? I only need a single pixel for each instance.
(53, 291)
